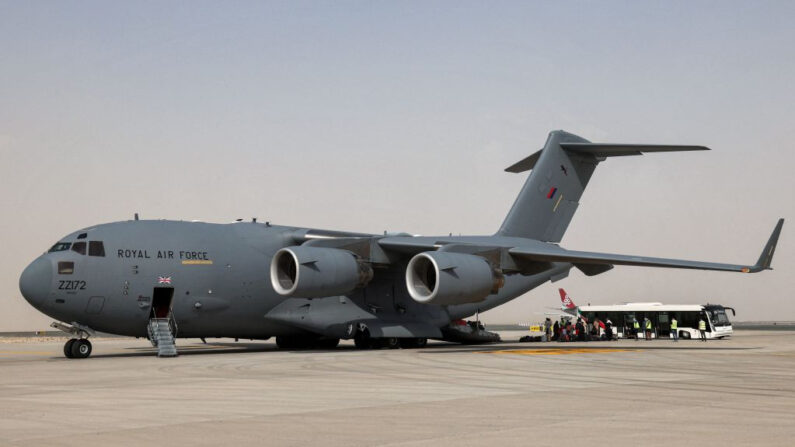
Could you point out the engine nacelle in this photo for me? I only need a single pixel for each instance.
(444, 278)
(316, 272)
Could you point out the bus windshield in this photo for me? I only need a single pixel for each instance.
(718, 317)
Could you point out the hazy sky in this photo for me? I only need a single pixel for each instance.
(401, 116)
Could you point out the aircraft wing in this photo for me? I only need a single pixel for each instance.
(553, 253)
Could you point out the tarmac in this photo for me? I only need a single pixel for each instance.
(738, 391)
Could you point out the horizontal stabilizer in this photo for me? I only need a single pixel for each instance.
(524, 164)
(602, 150)
(617, 150)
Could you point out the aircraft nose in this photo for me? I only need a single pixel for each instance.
(35, 281)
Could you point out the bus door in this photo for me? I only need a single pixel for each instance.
(663, 325)
(629, 322)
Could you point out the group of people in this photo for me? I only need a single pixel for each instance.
(635, 330)
(564, 330)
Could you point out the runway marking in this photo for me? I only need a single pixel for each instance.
(556, 351)
(27, 353)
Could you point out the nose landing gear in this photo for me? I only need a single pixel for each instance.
(76, 348)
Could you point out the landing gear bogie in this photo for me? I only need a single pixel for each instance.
(77, 348)
(413, 343)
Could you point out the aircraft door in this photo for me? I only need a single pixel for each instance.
(162, 298)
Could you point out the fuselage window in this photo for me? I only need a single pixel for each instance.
(82, 235)
(66, 268)
(96, 248)
(60, 246)
(79, 247)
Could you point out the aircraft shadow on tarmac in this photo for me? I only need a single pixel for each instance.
(432, 348)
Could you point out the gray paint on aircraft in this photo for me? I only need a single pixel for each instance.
(219, 273)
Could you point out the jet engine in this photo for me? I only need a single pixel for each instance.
(444, 278)
(315, 272)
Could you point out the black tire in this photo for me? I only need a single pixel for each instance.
(288, 342)
(67, 348)
(684, 335)
(81, 349)
(327, 343)
(391, 343)
(362, 340)
(413, 343)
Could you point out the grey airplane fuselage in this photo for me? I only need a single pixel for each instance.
(219, 274)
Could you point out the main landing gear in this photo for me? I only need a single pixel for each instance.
(76, 348)
(362, 340)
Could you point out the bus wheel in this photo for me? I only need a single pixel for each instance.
(684, 335)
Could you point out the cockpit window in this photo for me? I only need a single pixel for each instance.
(66, 268)
(60, 246)
(96, 248)
(79, 247)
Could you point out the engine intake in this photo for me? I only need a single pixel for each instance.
(315, 272)
(445, 278)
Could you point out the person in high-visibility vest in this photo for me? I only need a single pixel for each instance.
(674, 331)
(702, 327)
(636, 327)
(648, 329)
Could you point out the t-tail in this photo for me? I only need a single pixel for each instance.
(561, 171)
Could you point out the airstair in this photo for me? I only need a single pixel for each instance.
(162, 337)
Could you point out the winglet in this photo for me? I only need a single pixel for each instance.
(767, 254)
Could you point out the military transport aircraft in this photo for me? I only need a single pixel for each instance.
(310, 288)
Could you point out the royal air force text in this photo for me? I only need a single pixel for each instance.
(163, 254)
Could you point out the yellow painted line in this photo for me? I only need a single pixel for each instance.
(197, 262)
(560, 197)
(554, 351)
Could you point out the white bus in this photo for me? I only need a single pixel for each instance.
(687, 317)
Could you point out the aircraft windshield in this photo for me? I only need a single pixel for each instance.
(719, 318)
(60, 246)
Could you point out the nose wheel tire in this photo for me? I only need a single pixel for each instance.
(77, 348)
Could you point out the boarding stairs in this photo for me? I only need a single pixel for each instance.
(162, 337)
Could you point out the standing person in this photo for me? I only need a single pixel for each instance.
(547, 327)
(648, 328)
(609, 330)
(556, 331)
(674, 327)
(580, 330)
(635, 328)
(702, 327)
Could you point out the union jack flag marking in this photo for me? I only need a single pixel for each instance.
(164, 280)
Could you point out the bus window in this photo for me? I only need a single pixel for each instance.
(79, 247)
(96, 248)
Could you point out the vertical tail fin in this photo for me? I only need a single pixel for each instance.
(565, 301)
(551, 193)
(561, 171)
